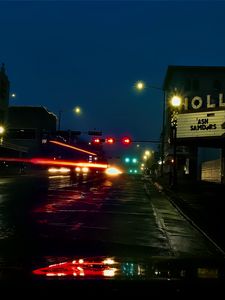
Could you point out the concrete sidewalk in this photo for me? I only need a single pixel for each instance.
(203, 203)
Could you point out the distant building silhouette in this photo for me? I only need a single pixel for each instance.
(27, 125)
(4, 95)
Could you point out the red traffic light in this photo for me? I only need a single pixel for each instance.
(110, 140)
(126, 140)
(96, 141)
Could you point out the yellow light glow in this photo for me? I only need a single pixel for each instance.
(53, 170)
(85, 170)
(112, 171)
(176, 101)
(59, 170)
(51, 274)
(64, 170)
(147, 152)
(109, 261)
(77, 110)
(145, 157)
(2, 129)
(92, 165)
(140, 85)
(77, 169)
(56, 176)
(109, 272)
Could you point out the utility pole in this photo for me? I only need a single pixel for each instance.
(59, 119)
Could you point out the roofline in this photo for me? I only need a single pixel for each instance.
(172, 68)
(31, 107)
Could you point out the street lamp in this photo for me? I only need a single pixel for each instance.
(175, 103)
(2, 130)
(140, 85)
(147, 153)
(77, 110)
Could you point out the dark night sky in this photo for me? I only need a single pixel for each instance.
(63, 54)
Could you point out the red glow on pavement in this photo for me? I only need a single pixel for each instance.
(78, 268)
(72, 147)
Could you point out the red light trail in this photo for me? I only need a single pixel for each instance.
(46, 161)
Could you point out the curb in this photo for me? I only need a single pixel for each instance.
(169, 195)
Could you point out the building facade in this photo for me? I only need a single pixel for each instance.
(200, 118)
(27, 125)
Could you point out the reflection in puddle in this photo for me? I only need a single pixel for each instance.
(80, 268)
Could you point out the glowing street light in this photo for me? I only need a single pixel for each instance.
(2, 129)
(140, 85)
(147, 153)
(77, 110)
(176, 101)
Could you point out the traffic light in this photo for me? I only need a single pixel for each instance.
(134, 160)
(127, 159)
(110, 140)
(96, 141)
(126, 140)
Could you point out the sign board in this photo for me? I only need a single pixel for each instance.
(202, 124)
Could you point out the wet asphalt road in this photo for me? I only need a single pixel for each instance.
(49, 221)
(52, 216)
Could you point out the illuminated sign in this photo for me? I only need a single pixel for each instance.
(202, 124)
(206, 103)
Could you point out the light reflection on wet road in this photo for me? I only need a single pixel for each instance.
(55, 212)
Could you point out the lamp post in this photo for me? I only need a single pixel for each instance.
(77, 111)
(140, 85)
(175, 103)
(59, 119)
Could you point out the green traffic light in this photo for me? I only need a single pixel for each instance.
(134, 160)
(127, 159)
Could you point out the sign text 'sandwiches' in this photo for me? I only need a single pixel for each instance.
(201, 124)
